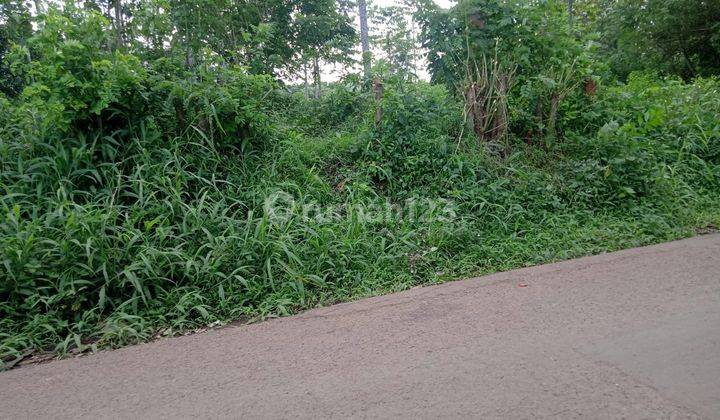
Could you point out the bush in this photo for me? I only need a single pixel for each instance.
(652, 139)
(221, 104)
(413, 149)
(341, 104)
(117, 195)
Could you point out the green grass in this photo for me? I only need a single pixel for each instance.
(113, 238)
(107, 274)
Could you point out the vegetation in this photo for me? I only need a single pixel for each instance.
(162, 169)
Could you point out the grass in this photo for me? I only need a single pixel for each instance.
(114, 239)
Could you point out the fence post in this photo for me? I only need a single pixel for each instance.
(378, 89)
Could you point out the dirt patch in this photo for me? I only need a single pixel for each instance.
(706, 230)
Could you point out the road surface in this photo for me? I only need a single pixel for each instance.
(631, 334)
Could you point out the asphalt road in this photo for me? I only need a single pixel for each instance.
(632, 334)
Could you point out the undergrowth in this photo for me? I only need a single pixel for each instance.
(135, 195)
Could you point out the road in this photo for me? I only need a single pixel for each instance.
(631, 334)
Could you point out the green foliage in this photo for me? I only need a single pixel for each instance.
(136, 170)
(529, 45)
(532, 37)
(343, 103)
(224, 105)
(397, 41)
(15, 28)
(652, 140)
(323, 31)
(69, 81)
(113, 179)
(413, 148)
(674, 36)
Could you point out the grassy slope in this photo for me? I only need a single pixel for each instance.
(227, 263)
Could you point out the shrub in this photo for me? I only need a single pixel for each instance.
(414, 146)
(342, 103)
(649, 139)
(117, 195)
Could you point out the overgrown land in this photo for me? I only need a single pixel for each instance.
(168, 165)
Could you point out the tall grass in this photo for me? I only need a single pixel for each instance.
(120, 226)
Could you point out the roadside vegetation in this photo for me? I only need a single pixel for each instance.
(173, 165)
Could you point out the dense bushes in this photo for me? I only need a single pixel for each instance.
(341, 104)
(137, 194)
(647, 139)
(114, 174)
(220, 104)
(69, 81)
(413, 148)
(74, 83)
(111, 239)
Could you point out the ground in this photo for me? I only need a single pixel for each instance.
(631, 334)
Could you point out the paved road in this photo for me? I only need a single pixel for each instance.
(632, 334)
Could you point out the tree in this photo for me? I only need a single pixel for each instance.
(674, 36)
(396, 39)
(323, 33)
(15, 28)
(532, 37)
(118, 23)
(364, 38)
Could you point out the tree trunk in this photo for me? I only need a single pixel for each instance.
(571, 13)
(470, 104)
(364, 38)
(316, 76)
(117, 23)
(190, 58)
(476, 113)
(378, 89)
(689, 64)
(38, 7)
(305, 80)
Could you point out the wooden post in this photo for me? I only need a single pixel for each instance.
(554, 104)
(378, 89)
(470, 104)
